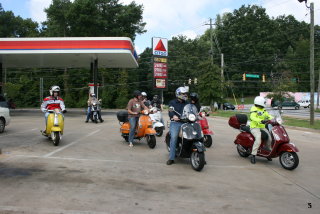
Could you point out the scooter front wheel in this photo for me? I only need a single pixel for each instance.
(197, 160)
(56, 139)
(151, 140)
(289, 160)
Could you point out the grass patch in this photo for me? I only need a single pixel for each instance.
(222, 113)
(247, 100)
(289, 121)
(317, 110)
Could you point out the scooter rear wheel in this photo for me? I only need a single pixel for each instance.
(159, 133)
(168, 141)
(241, 153)
(207, 141)
(289, 160)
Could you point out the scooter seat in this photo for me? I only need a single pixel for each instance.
(264, 135)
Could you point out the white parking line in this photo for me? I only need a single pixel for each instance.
(74, 142)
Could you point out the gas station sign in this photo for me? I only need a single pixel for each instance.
(160, 70)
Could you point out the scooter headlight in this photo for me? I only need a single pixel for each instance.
(192, 117)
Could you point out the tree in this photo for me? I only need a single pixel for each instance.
(123, 94)
(93, 18)
(15, 26)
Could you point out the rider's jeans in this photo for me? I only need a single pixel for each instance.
(174, 132)
(46, 118)
(133, 122)
(88, 113)
(256, 132)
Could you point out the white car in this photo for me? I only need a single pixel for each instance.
(4, 118)
(304, 103)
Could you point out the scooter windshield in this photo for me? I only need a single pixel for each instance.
(189, 109)
(276, 116)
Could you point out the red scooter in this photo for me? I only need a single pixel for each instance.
(281, 146)
(207, 141)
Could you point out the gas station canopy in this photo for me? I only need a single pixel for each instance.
(110, 52)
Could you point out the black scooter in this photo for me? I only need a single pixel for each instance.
(190, 139)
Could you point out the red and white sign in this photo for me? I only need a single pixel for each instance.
(160, 83)
(160, 70)
(159, 46)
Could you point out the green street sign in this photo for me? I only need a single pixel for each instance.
(253, 75)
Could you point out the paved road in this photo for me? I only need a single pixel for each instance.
(94, 171)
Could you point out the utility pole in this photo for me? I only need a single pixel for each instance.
(311, 60)
(222, 77)
(211, 40)
(318, 94)
(312, 63)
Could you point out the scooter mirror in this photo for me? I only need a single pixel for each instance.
(171, 108)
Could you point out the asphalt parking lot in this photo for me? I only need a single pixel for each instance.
(94, 171)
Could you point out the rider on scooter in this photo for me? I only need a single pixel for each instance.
(259, 117)
(134, 107)
(156, 102)
(92, 98)
(194, 97)
(178, 105)
(144, 98)
(52, 102)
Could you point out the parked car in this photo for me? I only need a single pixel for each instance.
(286, 103)
(304, 103)
(3, 102)
(227, 106)
(4, 118)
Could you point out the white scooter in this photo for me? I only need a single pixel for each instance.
(157, 124)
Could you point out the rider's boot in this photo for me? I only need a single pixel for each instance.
(253, 159)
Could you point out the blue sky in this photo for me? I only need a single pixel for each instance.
(167, 18)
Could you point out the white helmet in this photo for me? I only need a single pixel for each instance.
(54, 88)
(143, 94)
(260, 101)
(180, 91)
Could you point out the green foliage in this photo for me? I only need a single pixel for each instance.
(93, 18)
(122, 94)
(12, 26)
(210, 87)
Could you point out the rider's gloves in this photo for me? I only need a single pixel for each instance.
(64, 111)
(264, 121)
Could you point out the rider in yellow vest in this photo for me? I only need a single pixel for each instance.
(259, 116)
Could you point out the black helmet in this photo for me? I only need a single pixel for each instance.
(155, 98)
(136, 93)
(194, 97)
